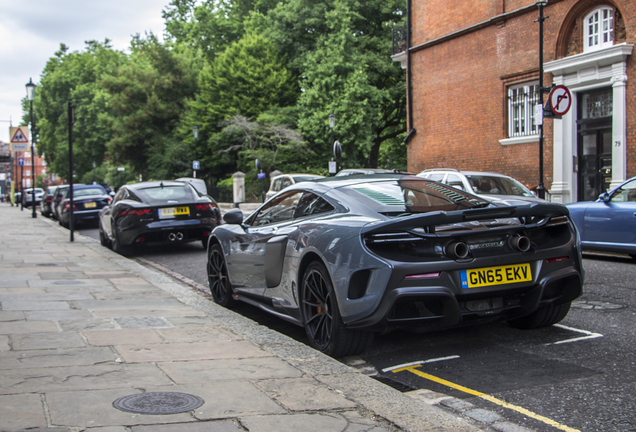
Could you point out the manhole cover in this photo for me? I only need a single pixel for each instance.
(596, 305)
(68, 282)
(158, 403)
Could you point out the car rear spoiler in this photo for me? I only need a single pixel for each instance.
(530, 215)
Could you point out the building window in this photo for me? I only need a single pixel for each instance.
(521, 101)
(599, 29)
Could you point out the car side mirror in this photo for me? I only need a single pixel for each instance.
(605, 197)
(233, 217)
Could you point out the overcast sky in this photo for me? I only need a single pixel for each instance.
(31, 31)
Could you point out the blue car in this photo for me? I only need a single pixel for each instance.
(88, 200)
(609, 223)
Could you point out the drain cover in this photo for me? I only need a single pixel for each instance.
(158, 403)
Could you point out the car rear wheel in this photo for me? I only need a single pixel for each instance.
(117, 246)
(543, 317)
(321, 317)
(218, 278)
(103, 239)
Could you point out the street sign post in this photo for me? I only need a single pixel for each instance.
(560, 100)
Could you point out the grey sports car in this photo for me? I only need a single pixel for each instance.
(347, 257)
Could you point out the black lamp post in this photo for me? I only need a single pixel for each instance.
(541, 188)
(30, 89)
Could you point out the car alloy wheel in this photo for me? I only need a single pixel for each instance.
(321, 317)
(218, 279)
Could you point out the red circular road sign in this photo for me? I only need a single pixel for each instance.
(560, 100)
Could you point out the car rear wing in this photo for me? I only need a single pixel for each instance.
(535, 214)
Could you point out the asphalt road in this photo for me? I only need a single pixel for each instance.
(578, 375)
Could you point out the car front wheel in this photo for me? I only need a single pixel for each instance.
(321, 317)
(218, 278)
(545, 316)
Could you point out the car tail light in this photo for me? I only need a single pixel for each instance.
(137, 212)
(553, 260)
(203, 207)
(423, 276)
(67, 206)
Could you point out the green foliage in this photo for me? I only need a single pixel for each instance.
(148, 97)
(75, 77)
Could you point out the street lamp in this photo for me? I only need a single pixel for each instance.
(540, 187)
(30, 89)
(195, 133)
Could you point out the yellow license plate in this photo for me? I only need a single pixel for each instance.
(90, 205)
(488, 276)
(173, 211)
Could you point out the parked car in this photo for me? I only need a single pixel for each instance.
(157, 212)
(280, 182)
(29, 200)
(609, 223)
(88, 200)
(488, 185)
(46, 205)
(58, 196)
(364, 171)
(347, 257)
(198, 184)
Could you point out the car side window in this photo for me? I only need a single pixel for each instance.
(436, 177)
(312, 204)
(627, 193)
(121, 193)
(278, 210)
(455, 181)
(285, 182)
(276, 187)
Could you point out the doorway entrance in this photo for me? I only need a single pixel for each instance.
(594, 143)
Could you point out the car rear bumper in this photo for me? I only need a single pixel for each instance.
(437, 307)
(173, 231)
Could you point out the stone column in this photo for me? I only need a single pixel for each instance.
(619, 124)
(238, 179)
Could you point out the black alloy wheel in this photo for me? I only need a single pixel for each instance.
(218, 279)
(103, 238)
(321, 317)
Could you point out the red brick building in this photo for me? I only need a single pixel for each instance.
(474, 77)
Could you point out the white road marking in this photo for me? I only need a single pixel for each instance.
(590, 335)
(405, 365)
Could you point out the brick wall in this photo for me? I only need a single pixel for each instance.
(459, 84)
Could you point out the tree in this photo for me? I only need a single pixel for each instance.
(148, 97)
(76, 77)
(340, 50)
(247, 79)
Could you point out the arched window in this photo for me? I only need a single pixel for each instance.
(599, 28)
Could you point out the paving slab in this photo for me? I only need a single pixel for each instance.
(80, 378)
(56, 358)
(303, 394)
(19, 412)
(318, 422)
(40, 341)
(189, 351)
(251, 369)
(20, 327)
(211, 426)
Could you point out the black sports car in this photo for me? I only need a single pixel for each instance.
(157, 212)
(349, 257)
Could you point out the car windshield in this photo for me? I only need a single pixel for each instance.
(156, 194)
(87, 192)
(497, 185)
(412, 196)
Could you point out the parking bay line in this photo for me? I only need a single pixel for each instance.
(413, 369)
(590, 335)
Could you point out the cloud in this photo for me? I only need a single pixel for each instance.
(32, 31)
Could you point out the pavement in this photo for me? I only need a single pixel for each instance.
(93, 341)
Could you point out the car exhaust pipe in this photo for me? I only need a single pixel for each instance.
(179, 236)
(172, 237)
(520, 243)
(456, 250)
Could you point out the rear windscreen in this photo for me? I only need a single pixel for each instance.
(178, 193)
(412, 196)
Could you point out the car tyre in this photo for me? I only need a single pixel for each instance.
(545, 316)
(103, 239)
(321, 316)
(218, 278)
(118, 247)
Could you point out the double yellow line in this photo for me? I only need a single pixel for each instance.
(413, 369)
